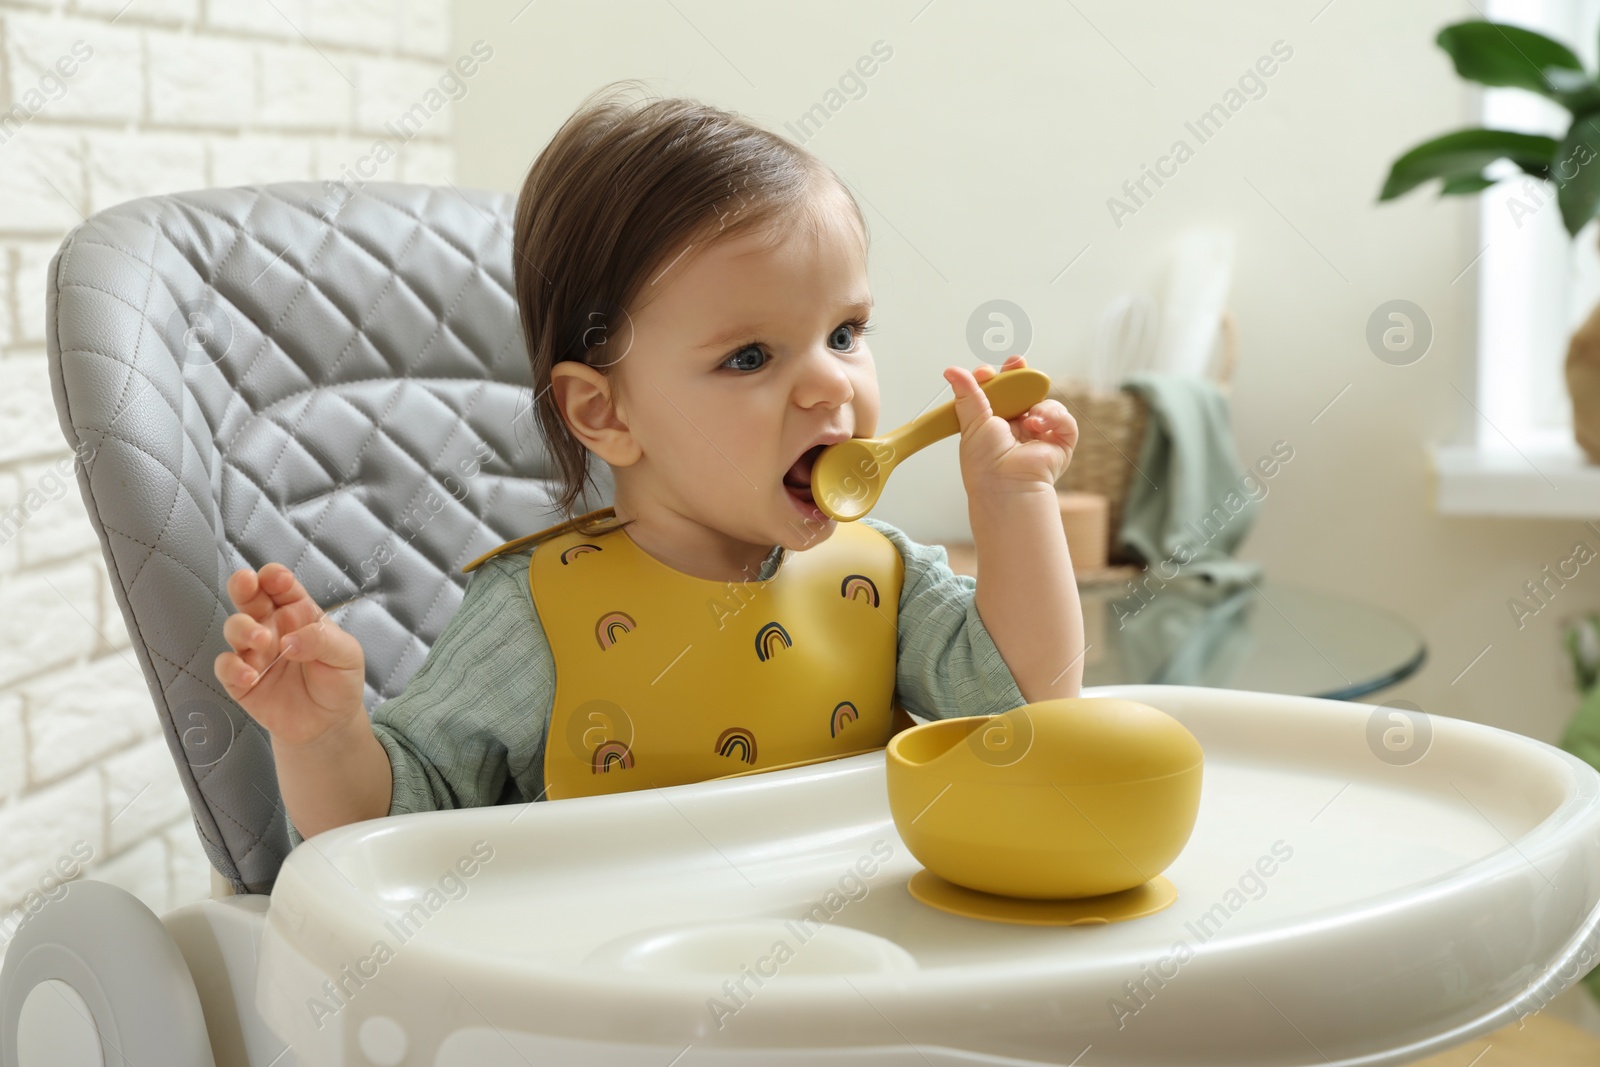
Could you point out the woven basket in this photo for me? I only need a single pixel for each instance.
(1111, 435)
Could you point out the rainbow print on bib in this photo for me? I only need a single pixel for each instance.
(577, 550)
(611, 626)
(845, 712)
(859, 587)
(769, 639)
(738, 742)
(611, 754)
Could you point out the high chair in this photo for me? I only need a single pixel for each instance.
(334, 378)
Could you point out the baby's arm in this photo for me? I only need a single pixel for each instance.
(468, 731)
(330, 768)
(1027, 592)
(946, 664)
(340, 778)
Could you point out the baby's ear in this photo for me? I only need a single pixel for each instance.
(586, 400)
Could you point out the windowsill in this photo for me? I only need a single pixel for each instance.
(1547, 479)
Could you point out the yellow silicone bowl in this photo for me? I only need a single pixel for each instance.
(1055, 799)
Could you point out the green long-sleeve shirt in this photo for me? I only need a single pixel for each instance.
(469, 729)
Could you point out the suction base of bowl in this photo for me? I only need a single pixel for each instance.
(1141, 900)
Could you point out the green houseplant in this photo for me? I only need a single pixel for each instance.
(1502, 55)
(1495, 54)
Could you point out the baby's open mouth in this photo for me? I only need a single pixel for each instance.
(798, 479)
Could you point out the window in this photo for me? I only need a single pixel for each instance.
(1536, 285)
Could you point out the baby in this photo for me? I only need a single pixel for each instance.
(693, 294)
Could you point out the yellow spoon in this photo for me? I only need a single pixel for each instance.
(848, 477)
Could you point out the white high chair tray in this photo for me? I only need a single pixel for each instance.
(1333, 908)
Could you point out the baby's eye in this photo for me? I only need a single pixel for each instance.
(740, 360)
(854, 331)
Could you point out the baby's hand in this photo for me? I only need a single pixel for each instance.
(1004, 454)
(319, 684)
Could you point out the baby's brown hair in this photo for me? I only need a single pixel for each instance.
(621, 187)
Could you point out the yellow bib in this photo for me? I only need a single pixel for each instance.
(663, 678)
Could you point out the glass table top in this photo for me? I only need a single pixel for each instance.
(1266, 636)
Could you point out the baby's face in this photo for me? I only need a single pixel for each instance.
(746, 358)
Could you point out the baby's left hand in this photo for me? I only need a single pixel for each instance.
(1003, 454)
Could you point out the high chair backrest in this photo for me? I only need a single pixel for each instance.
(330, 377)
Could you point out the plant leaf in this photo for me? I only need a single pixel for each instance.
(1495, 53)
(1472, 183)
(1539, 168)
(1464, 154)
(1576, 92)
(1576, 173)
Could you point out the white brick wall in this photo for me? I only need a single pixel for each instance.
(305, 89)
(41, 184)
(123, 166)
(98, 89)
(55, 526)
(13, 748)
(195, 82)
(102, 101)
(32, 260)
